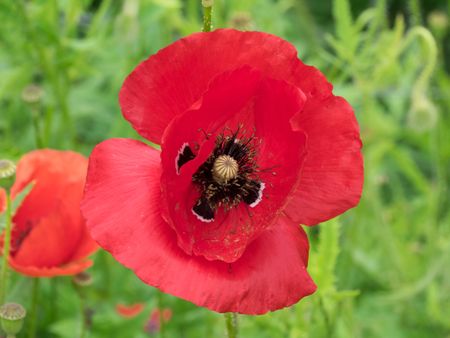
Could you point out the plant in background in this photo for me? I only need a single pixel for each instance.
(253, 143)
(45, 234)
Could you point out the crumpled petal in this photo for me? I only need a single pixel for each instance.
(332, 177)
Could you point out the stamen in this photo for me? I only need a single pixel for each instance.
(225, 168)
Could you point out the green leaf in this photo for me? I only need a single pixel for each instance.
(16, 203)
(326, 256)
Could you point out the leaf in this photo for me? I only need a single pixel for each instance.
(345, 28)
(16, 203)
(326, 256)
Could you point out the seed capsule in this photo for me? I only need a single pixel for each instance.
(7, 168)
(225, 168)
(12, 316)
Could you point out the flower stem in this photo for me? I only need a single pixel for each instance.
(231, 324)
(207, 14)
(161, 319)
(6, 246)
(85, 320)
(33, 312)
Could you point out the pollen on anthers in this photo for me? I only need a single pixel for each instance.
(227, 178)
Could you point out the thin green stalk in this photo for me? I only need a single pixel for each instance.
(231, 324)
(161, 319)
(6, 247)
(54, 297)
(83, 317)
(37, 129)
(207, 15)
(33, 312)
(84, 314)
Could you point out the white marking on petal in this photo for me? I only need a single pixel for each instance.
(200, 218)
(260, 195)
(183, 146)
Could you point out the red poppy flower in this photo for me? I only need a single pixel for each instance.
(48, 221)
(129, 311)
(253, 143)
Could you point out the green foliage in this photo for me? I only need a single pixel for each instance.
(381, 269)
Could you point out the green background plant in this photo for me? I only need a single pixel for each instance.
(382, 268)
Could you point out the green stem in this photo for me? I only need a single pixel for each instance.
(430, 63)
(37, 129)
(207, 14)
(231, 324)
(33, 312)
(84, 315)
(83, 318)
(4, 271)
(161, 319)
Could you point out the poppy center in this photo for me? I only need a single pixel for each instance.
(225, 168)
(228, 177)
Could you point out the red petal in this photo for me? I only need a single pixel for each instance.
(119, 174)
(48, 243)
(229, 95)
(129, 311)
(171, 81)
(282, 150)
(2, 200)
(51, 171)
(64, 270)
(332, 176)
(270, 275)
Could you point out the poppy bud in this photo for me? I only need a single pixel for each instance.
(82, 279)
(423, 114)
(7, 168)
(438, 22)
(207, 3)
(242, 21)
(11, 316)
(32, 93)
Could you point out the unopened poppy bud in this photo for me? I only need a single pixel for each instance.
(438, 22)
(207, 3)
(32, 93)
(82, 279)
(12, 317)
(241, 21)
(423, 114)
(7, 168)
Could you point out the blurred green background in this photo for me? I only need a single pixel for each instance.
(383, 268)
